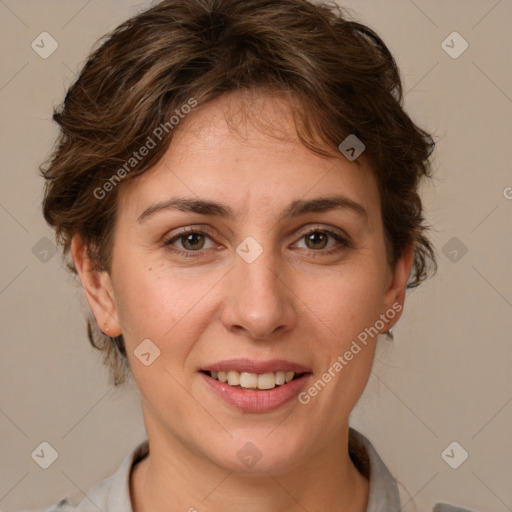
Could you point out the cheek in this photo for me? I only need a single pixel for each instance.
(346, 353)
(349, 300)
(155, 303)
(349, 304)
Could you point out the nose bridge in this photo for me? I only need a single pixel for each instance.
(259, 301)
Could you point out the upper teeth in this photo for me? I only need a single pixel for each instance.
(254, 380)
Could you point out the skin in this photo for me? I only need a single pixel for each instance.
(293, 302)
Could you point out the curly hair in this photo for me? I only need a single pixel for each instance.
(338, 73)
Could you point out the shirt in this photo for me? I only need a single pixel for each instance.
(113, 493)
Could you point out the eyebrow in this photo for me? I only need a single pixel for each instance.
(215, 209)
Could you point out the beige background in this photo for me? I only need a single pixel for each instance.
(447, 377)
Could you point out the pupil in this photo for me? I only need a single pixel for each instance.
(312, 237)
(192, 239)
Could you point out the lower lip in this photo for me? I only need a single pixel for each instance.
(257, 401)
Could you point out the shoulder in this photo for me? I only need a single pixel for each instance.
(386, 494)
(111, 494)
(62, 506)
(444, 507)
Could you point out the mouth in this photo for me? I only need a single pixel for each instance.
(256, 387)
(254, 381)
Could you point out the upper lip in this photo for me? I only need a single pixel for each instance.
(251, 366)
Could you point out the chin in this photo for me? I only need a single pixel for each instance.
(258, 451)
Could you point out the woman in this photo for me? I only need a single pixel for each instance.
(237, 186)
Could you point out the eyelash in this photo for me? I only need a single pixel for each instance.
(343, 242)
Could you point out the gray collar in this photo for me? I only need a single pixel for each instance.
(383, 494)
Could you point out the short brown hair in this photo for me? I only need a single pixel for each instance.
(340, 74)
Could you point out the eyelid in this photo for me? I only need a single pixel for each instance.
(332, 231)
(343, 240)
(170, 238)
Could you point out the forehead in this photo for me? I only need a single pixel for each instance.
(243, 149)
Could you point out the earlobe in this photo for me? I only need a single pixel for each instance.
(395, 293)
(98, 289)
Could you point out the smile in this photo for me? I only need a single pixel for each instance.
(256, 387)
(248, 380)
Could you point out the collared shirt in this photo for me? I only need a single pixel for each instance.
(113, 494)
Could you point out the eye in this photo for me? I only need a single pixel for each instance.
(190, 240)
(317, 240)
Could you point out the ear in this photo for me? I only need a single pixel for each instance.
(394, 294)
(98, 289)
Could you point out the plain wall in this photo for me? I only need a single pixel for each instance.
(445, 378)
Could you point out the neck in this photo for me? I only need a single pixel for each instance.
(174, 479)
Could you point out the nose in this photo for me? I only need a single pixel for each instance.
(259, 303)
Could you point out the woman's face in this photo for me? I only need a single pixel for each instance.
(247, 288)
